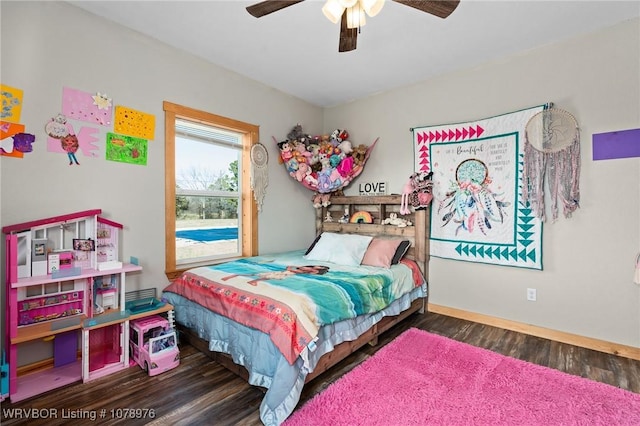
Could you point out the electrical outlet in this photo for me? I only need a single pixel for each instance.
(531, 294)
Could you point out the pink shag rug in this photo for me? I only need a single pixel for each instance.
(425, 379)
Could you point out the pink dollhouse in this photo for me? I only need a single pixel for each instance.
(51, 267)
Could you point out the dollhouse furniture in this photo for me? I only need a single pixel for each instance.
(107, 298)
(51, 268)
(107, 246)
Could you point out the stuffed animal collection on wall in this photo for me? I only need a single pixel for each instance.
(324, 164)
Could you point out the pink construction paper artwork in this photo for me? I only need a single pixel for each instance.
(84, 106)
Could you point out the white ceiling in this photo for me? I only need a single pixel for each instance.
(295, 49)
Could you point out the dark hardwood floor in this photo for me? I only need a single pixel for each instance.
(201, 392)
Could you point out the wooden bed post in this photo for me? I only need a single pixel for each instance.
(422, 240)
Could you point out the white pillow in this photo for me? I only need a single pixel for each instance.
(341, 249)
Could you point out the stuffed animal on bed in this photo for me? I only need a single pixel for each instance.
(393, 219)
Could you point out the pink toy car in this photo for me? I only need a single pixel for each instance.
(153, 344)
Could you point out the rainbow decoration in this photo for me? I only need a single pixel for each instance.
(361, 217)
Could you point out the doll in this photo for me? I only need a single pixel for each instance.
(285, 151)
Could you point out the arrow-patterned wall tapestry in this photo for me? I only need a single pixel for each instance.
(477, 214)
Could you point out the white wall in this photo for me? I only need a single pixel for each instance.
(586, 286)
(49, 45)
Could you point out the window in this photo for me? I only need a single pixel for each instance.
(208, 202)
(211, 215)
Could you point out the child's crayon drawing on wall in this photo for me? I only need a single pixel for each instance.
(64, 139)
(11, 104)
(134, 123)
(126, 149)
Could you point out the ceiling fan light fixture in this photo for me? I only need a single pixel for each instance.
(352, 13)
(333, 10)
(356, 17)
(372, 7)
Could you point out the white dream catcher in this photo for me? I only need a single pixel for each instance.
(552, 155)
(259, 172)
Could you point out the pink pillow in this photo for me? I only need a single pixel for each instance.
(380, 252)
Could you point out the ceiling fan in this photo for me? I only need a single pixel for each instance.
(351, 13)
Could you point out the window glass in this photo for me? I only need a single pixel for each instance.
(208, 217)
(210, 212)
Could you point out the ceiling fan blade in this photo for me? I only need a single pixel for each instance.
(348, 36)
(266, 7)
(441, 9)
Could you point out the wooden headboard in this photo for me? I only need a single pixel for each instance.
(379, 207)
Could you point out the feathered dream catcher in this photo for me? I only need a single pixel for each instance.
(552, 154)
(259, 174)
(324, 164)
(470, 201)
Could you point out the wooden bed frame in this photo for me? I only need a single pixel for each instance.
(379, 207)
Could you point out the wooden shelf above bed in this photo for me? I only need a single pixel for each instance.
(380, 207)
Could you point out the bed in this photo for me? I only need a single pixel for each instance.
(281, 320)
